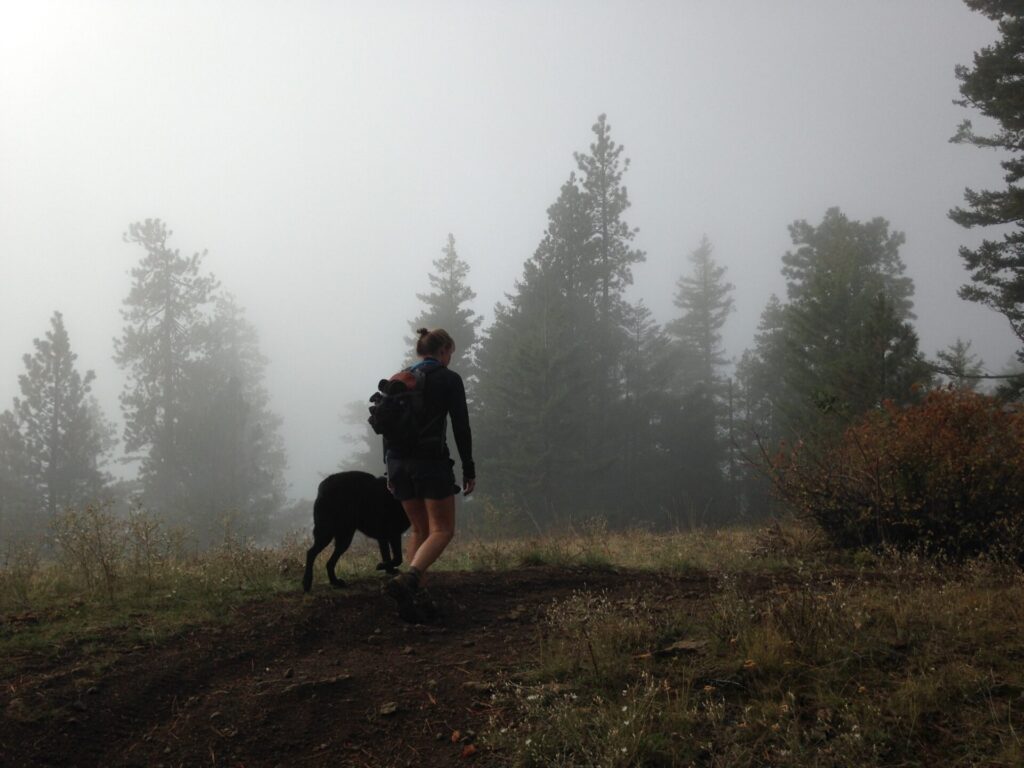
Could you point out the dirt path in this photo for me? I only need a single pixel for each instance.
(333, 679)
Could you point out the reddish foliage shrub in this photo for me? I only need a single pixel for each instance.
(945, 476)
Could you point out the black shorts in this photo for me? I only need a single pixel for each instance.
(421, 478)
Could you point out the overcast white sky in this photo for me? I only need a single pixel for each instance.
(322, 151)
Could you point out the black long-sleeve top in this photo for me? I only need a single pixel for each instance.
(444, 395)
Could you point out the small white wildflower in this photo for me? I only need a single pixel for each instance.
(529, 742)
(623, 750)
(533, 697)
(624, 707)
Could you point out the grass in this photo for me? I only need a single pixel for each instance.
(799, 656)
(97, 602)
(126, 595)
(728, 549)
(897, 666)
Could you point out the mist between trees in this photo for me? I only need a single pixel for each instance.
(583, 405)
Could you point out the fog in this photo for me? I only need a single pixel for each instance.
(322, 151)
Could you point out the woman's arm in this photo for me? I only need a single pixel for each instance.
(460, 426)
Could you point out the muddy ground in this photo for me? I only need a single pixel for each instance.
(334, 678)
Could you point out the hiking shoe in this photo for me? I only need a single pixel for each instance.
(403, 586)
(402, 589)
(426, 607)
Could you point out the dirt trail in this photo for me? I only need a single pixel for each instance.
(297, 680)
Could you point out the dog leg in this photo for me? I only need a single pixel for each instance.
(385, 556)
(390, 554)
(320, 541)
(396, 552)
(341, 544)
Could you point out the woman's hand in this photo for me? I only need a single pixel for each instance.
(468, 486)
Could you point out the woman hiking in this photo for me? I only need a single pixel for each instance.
(420, 474)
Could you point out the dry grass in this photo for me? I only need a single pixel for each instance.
(898, 666)
(729, 549)
(799, 657)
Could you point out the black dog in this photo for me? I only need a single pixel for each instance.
(355, 501)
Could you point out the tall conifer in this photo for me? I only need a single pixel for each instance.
(64, 435)
(844, 341)
(167, 304)
(445, 306)
(537, 369)
(703, 296)
(993, 87)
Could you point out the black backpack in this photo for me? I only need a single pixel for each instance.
(397, 407)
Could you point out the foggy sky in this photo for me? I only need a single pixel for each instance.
(322, 151)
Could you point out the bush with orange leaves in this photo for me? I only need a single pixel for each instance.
(945, 476)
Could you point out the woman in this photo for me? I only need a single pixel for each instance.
(421, 476)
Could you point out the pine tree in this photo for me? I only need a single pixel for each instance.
(552, 371)
(167, 305)
(850, 343)
(958, 366)
(536, 372)
(703, 297)
(607, 272)
(992, 86)
(195, 402)
(233, 459)
(843, 342)
(607, 199)
(64, 435)
(445, 306)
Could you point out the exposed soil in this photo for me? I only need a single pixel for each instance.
(331, 679)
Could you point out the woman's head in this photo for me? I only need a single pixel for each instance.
(434, 343)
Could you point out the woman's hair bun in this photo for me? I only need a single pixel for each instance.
(433, 342)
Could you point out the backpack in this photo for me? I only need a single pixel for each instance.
(397, 407)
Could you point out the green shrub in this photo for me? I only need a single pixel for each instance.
(945, 476)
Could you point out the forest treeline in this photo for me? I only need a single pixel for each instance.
(584, 405)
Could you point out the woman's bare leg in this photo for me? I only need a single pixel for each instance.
(416, 511)
(440, 515)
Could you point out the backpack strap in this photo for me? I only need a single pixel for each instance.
(429, 364)
(421, 371)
